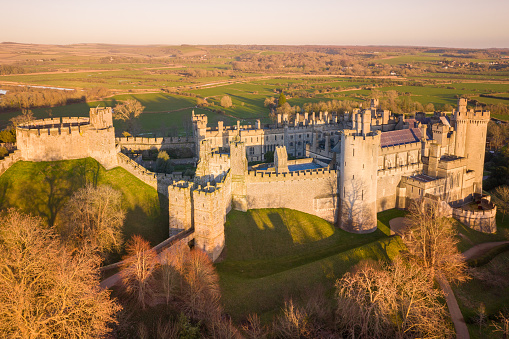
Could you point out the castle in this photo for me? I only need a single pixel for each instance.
(348, 166)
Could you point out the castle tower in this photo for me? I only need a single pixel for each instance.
(180, 206)
(281, 159)
(460, 126)
(358, 181)
(199, 129)
(238, 163)
(203, 168)
(101, 137)
(475, 144)
(209, 219)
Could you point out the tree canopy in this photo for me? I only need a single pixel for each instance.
(46, 289)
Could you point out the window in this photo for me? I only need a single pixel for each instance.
(291, 144)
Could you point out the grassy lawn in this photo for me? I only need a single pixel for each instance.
(489, 285)
(42, 188)
(276, 253)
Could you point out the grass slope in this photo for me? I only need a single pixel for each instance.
(276, 253)
(42, 188)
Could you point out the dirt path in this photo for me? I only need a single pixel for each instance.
(398, 225)
(479, 250)
(456, 316)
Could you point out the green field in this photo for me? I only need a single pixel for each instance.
(272, 254)
(490, 286)
(42, 189)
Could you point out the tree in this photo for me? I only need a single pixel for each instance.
(501, 198)
(430, 238)
(25, 116)
(281, 100)
(226, 101)
(93, 217)
(200, 102)
(293, 323)
(429, 107)
(163, 164)
(269, 102)
(390, 300)
(128, 111)
(46, 289)
(201, 295)
(137, 270)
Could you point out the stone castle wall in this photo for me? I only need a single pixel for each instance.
(388, 188)
(480, 220)
(69, 138)
(47, 140)
(159, 181)
(160, 144)
(10, 160)
(312, 191)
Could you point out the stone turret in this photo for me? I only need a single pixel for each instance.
(238, 163)
(101, 137)
(358, 181)
(281, 159)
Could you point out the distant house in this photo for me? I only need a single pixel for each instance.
(3, 91)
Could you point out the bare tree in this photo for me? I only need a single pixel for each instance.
(46, 291)
(138, 269)
(172, 269)
(502, 325)
(25, 116)
(293, 323)
(430, 237)
(254, 329)
(387, 301)
(128, 111)
(93, 217)
(201, 295)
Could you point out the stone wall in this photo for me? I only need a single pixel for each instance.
(69, 138)
(480, 220)
(160, 144)
(311, 191)
(159, 181)
(9, 160)
(388, 185)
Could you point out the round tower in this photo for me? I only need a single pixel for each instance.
(475, 144)
(358, 181)
(460, 126)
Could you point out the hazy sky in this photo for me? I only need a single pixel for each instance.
(455, 23)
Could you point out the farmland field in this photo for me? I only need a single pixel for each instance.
(167, 80)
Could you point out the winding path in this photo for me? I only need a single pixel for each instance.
(398, 225)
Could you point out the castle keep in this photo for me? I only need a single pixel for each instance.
(347, 167)
(69, 138)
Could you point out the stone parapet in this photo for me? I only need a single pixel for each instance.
(412, 168)
(9, 160)
(479, 220)
(261, 176)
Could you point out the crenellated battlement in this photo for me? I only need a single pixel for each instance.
(412, 168)
(253, 176)
(400, 148)
(154, 141)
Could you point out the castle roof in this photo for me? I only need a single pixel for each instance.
(400, 137)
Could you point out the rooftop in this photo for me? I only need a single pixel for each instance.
(423, 178)
(400, 137)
